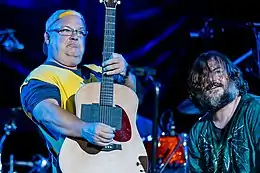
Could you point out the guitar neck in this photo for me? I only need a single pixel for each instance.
(107, 87)
(109, 33)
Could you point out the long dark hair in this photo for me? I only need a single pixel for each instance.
(233, 72)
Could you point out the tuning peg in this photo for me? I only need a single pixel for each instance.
(101, 1)
(117, 2)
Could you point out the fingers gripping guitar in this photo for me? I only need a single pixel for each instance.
(99, 134)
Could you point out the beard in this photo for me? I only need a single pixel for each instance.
(213, 100)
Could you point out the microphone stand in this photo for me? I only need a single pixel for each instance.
(148, 73)
(8, 129)
(157, 86)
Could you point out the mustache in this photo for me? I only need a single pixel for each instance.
(211, 85)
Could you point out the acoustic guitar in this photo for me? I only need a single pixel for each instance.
(112, 104)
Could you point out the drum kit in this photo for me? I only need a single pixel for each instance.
(171, 151)
(166, 149)
(12, 121)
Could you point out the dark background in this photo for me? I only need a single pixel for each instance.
(149, 33)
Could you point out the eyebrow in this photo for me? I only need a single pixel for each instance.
(81, 27)
(217, 68)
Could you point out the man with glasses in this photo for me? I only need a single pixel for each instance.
(47, 94)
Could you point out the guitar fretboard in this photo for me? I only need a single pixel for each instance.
(107, 87)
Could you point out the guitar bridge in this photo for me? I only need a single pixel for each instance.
(112, 147)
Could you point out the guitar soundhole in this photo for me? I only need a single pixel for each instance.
(122, 135)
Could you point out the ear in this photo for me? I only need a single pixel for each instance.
(46, 38)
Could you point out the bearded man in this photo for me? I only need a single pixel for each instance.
(227, 137)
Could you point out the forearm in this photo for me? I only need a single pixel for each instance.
(130, 81)
(58, 120)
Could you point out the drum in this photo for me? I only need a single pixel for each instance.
(171, 150)
(25, 152)
(23, 148)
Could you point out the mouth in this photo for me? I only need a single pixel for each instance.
(73, 45)
(211, 87)
(214, 87)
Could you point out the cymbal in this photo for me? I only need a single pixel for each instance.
(256, 97)
(187, 107)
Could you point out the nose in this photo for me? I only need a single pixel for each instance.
(74, 36)
(212, 77)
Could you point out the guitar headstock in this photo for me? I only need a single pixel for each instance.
(110, 3)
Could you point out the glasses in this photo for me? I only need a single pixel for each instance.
(70, 31)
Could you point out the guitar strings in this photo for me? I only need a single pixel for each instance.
(108, 44)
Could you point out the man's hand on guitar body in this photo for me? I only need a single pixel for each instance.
(98, 134)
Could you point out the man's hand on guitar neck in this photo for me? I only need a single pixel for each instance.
(118, 65)
(98, 133)
(115, 65)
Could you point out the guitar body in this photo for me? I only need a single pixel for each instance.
(78, 156)
(111, 104)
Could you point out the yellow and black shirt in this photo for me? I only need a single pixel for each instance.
(51, 80)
